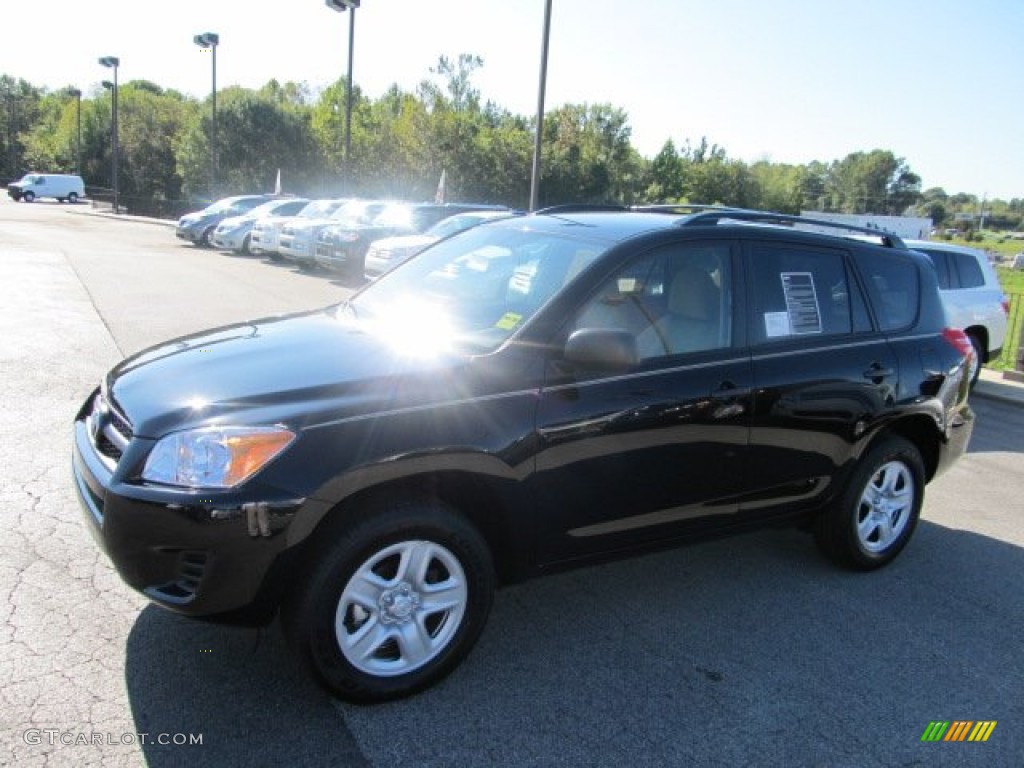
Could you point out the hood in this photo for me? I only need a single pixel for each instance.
(234, 221)
(297, 370)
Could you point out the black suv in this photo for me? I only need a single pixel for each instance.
(531, 394)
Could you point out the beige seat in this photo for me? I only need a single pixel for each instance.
(692, 321)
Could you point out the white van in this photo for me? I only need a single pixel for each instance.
(64, 187)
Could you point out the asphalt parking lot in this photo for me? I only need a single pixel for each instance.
(751, 651)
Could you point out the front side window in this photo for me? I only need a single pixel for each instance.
(675, 300)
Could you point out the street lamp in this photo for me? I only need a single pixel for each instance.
(78, 119)
(341, 6)
(112, 62)
(535, 172)
(211, 40)
(12, 158)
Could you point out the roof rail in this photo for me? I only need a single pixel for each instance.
(579, 208)
(682, 208)
(739, 215)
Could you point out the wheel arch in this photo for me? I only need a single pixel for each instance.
(481, 500)
(981, 333)
(921, 431)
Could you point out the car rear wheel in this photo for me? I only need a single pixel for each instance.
(72, 198)
(878, 511)
(393, 602)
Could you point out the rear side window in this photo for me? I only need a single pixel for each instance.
(894, 286)
(801, 292)
(969, 270)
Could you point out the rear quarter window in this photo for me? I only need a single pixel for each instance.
(894, 285)
(969, 270)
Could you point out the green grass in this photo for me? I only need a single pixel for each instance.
(1012, 280)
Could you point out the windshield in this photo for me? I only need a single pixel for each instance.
(472, 291)
(265, 209)
(221, 205)
(355, 213)
(319, 209)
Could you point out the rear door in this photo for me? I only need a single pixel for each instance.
(823, 374)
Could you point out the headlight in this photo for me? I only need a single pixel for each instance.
(218, 457)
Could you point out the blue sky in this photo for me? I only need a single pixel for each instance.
(939, 83)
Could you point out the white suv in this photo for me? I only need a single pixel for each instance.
(971, 293)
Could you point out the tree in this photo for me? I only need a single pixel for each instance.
(873, 182)
(667, 175)
(255, 138)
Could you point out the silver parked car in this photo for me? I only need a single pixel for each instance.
(972, 295)
(267, 231)
(235, 232)
(387, 253)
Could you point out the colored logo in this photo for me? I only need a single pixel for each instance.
(959, 730)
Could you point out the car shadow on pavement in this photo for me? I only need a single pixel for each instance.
(753, 650)
(239, 687)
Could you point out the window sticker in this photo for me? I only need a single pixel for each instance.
(801, 303)
(508, 321)
(776, 324)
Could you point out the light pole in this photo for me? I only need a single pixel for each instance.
(112, 62)
(78, 136)
(535, 172)
(211, 40)
(12, 157)
(341, 6)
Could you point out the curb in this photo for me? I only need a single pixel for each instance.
(992, 387)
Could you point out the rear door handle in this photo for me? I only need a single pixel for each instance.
(877, 372)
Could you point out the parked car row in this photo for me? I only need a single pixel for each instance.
(332, 234)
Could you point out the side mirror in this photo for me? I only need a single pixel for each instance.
(602, 348)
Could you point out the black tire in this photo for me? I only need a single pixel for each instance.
(204, 239)
(245, 246)
(979, 357)
(393, 644)
(73, 198)
(879, 508)
(60, 199)
(28, 197)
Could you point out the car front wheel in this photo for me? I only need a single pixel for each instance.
(878, 511)
(393, 603)
(28, 197)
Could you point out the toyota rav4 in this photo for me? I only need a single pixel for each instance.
(532, 394)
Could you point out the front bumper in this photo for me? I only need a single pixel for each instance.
(197, 553)
(229, 241)
(189, 233)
